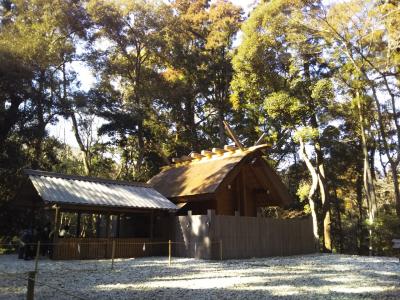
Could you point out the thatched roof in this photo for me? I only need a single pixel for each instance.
(203, 174)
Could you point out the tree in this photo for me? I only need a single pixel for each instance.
(280, 65)
(363, 34)
(131, 33)
(39, 35)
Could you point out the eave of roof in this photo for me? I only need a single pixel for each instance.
(88, 191)
(83, 178)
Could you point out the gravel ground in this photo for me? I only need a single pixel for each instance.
(318, 276)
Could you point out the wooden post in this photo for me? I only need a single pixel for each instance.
(118, 225)
(31, 285)
(107, 235)
(56, 223)
(54, 247)
(112, 254)
(220, 249)
(233, 136)
(151, 225)
(169, 252)
(37, 256)
(78, 225)
(261, 139)
(244, 205)
(108, 225)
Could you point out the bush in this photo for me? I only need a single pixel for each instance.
(385, 228)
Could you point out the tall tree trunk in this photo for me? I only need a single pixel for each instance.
(394, 162)
(41, 127)
(40, 132)
(322, 183)
(393, 168)
(339, 220)
(85, 152)
(9, 118)
(190, 124)
(325, 212)
(75, 128)
(313, 189)
(323, 189)
(221, 128)
(141, 149)
(360, 234)
(367, 174)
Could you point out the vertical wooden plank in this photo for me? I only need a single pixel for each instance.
(151, 224)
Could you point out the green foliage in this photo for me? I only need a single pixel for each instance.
(306, 134)
(323, 91)
(303, 190)
(285, 108)
(385, 228)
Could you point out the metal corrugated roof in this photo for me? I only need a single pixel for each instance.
(59, 188)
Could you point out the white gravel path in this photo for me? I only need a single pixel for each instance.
(318, 276)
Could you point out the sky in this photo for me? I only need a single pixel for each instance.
(63, 129)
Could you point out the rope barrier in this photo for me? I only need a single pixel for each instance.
(8, 275)
(101, 250)
(103, 243)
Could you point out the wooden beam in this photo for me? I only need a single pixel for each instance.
(260, 140)
(184, 158)
(176, 160)
(56, 224)
(233, 136)
(218, 151)
(152, 224)
(108, 225)
(118, 225)
(274, 182)
(235, 171)
(206, 153)
(78, 224)
(229, 148)
(193, 198)
(244, 193)
(83, 208)
(196, 155)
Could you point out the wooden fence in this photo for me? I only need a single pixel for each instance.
(100, 248)
(212, 236)
(203, 236)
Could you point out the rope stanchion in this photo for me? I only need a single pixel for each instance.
(220, 249)
(169, 252)
(113, 255)
(30, 293)
(37, 257)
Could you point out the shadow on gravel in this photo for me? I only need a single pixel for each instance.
(306, 277)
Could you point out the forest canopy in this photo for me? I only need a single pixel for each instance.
(319, 82)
